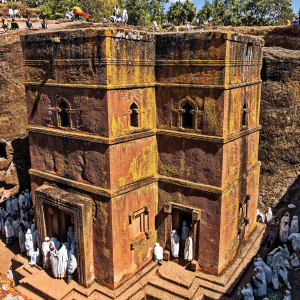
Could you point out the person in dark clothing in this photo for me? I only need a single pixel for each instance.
(29, 23)
(14, 25)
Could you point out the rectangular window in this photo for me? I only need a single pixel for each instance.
(139, 223)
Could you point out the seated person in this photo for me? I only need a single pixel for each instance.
(4, 25)
(104, 19)
(14, 25)
(119, 20)
(29, 23)
(43, 25)
(113, 18)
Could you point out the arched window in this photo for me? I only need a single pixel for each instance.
(2, 151)
(244, 117)
(134, 116)
(187, 117)
(64, 117)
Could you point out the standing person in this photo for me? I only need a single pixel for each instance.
(15, 202)
(27, 199)
(53, 258)
(197, 21)
(295, 238)
(70, 234)
(285, 218)
(247, 292)
(15, 225)
(62, 262)
(158, 253)
(269, 215)
(188, 249)
(46, 253)
(22, 238)
(188, 27)
(72, 263)
(287, 295)
(116, 11)
(124, 15)
(44, 25)
(8, 206)
(294, 225)
(260, 285)
(9, 233)
(29, 26)
(184, 234)
(284, 232)
(22, 199)
(154, 25)
(175, 241)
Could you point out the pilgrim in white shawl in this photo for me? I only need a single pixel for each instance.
(158, 253)
(275, 280)
(46, 253)
(247, 292)
(260, 284)
(284, 232)
(276, 258)
(70, 235)
(28, 243)
(285, 252)
(9, 206)
(15, 225)
(295, 238)
(184, 233)
(260, 216)
(35, 257)
(294, 225)
(269, 215)
(267, 269)
(27, 199)
(22, 238)
(55, 241)
(287, 295)
(188, 249)
(22, 199)
(175, 240)
(15, 206)
(53, 258)
(62, 262)
(284, 275)
(72, 265)
(285, 218)
(9, 233)
(294, 260)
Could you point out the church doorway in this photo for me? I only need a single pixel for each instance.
(57, 222)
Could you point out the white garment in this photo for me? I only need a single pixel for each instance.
(285, 252)
(262, 216)
(275, 280)
(248, 292)
(175, 239)
(27, 199)
(62, 262)
(285, 218)
(9, 206)
(284, 275)
(267, 270)
(295, 238)
(260, 284)
(284, 233)
(70, 234)
(46, 252)
(9, 232)
(185, 231)
(269, 214)
(294, 225)
(295, 261)
(56, 243)
(10, 12)
(116, 11)
(124, 15)
(158, 252)
(72, 265)
(15, 204)
(22, 241)
(276, 259)
(35, 257)
(188, 249)
(28, 243)
(287, 295)
(284, 263)
(22, 199)
(16, 225)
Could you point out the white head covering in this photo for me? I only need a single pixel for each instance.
(287, 295)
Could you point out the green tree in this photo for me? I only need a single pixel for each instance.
(180, 12)
(98, 8)
(139, 12)
(55, 9)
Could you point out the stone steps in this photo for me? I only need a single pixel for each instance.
(28, 293)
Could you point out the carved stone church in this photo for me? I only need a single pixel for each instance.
(131, 133)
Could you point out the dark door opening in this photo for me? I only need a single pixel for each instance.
(184, 216)
(187, 117)
(2, 151)
(134, 117)
(64, 118)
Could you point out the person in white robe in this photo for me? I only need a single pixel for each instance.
(53, 258)
(72, 264)
(275, 280)
(158, 253)
(35, 257)
(284, 263)
(22, 239)
(247, 292)
(267, 269)
(62, 262)
(294, 225)
(294, 262)
(295, 238)
(9, 206)
(175, 240)
(285, 218)
(70, 234)
(284, 232)
(22, 199)
(28, 243)
(188, 249)
(260, 216)
(15, 225)
(269, 215)
(285, 252)
(9, 233)
(284, 275)
(276, 259)
(27, 199)
(260, 284)
(287, 295)
(56, 242)
(46, 253)
(184, 233)
(15, 206)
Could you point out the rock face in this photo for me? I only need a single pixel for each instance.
(14, 148)
(279, 139)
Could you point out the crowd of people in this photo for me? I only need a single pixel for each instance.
(14, 25)
(294, 22)
(274, 271)
(117, 16)
(17, 224)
